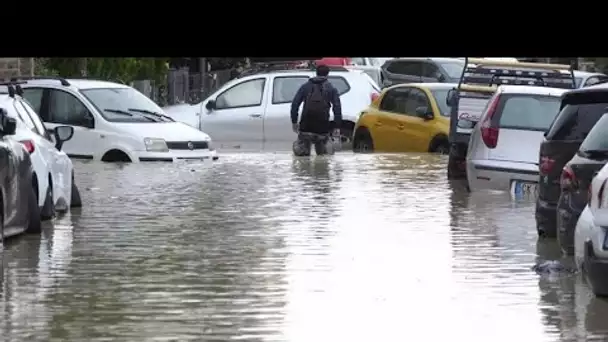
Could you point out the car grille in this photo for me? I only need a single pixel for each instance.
(183, 145)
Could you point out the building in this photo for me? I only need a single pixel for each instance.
(16, 66)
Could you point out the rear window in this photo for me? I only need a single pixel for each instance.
(598, 136)
(339, 83)
(529, 112)
(578, 116)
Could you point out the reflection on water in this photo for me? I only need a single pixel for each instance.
(275, 248)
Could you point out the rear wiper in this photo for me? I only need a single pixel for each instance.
(145, 111)
(595, 153)
(124, 112)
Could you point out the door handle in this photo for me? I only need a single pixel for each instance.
(378, 124)
(400, 127)
(255, 115)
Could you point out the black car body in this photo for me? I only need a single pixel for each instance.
(575, 181)
(418, 70)
(19, 210)
(580, 110)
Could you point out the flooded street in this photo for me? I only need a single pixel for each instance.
(265, 247)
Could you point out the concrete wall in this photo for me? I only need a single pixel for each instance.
(16, 66)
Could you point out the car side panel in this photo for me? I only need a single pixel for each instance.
(18, 187)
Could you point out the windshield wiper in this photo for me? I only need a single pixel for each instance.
(145, 111)
(124, 112)
(595, 153)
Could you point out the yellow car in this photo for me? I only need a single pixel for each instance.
(412, 117)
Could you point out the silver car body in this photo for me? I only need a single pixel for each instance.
(515, 156)
(370, 66)
(586, 79)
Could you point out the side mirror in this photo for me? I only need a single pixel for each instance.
(62, 134)
(210, 105)
(451, 98)
(424, 113)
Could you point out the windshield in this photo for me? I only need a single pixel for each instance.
(123, 100)
(598, 136)
(440, 96)
(453, 69)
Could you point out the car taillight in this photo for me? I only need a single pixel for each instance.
(29, 146)
(489, 134)
(546, 165)
(568, 179)
(375, 96)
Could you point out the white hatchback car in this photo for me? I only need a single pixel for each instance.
(253, 112)
(113, 122)
(54, 175)
(591, 235)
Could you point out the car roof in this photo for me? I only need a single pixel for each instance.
(533, 90)
(429, 85)
(432, 59)
(78, 83)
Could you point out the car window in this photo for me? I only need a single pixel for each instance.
(66, 109)
(358, 60)
(284, 89)
(34, 97)
(591, 81)
(528, 112)
(430, 70)
(245, 94)
(440, 96)
(598, 136)
(453, 69)
(22, 113)
(340, 84)
(415, 98)
(35, 119)
(578, 116)
(405, 68)
(577, 81)
(389, 101)
(375, 61)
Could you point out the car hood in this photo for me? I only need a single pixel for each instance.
(170, 131)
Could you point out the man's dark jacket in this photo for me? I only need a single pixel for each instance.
(316, 124)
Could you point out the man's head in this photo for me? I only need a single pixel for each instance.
(322, 70)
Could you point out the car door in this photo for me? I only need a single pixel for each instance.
(415, 132)
(386, 126)
(277, 119)
(431, 73)
(402, 71)
(58, 107)
(237, 121)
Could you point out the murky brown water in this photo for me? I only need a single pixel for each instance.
(268, 248)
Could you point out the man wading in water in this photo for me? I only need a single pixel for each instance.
(318, 95)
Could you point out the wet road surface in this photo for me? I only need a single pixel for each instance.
(265, 247)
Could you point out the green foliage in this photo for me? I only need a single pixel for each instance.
(124, 70)
(601, 63)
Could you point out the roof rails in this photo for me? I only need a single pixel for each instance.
(491, 73)
(13, 88)
(304, 65)
(62, 80)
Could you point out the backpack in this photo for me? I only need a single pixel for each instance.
(317, 102)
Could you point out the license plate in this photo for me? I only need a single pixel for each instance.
(524, 190)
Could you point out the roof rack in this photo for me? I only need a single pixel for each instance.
(489, 73)
(62, 80)
(13, 88)
(304, 65)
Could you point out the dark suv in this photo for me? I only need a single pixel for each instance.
(417, 70)
(580, 110)
(576, 179)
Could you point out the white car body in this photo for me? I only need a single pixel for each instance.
(110, 136)
(259, 116)
(369, 65)
(590, 245)
(50, 164)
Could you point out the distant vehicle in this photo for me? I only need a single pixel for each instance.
(53, 170)
(410, 117)
(503, 149)
(421, 70)
(253, 112)
(575, 180)
(580, 110)
(591, 237)
(586, 79)
(113, 122)
(19, 212)
(480, 79)
(369, 65)
(334, 61)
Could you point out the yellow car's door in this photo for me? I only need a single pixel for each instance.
(390, 124)
(418, 123)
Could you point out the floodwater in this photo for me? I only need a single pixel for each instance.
(265, 247)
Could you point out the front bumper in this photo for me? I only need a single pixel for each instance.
(177, 155)
(546, 218)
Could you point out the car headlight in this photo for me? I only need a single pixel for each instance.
(155, 145)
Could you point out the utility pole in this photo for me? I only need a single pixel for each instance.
(203, 62)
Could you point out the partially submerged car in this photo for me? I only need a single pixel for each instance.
(418, 70)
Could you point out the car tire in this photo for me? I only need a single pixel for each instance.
(75, 201)
(346, 137)
(363, 142)
(48, 208)
(442, 148)
(35, 224)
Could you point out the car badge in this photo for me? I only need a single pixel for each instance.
(190, 145)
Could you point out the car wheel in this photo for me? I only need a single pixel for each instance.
(363, 142)
(48, 209)
(346, 137)
(442, 148)
(75, 202)
(34, 226)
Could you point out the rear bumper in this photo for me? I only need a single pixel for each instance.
(177, 155)
(546, 217)
(497, 175)
(596, 270)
